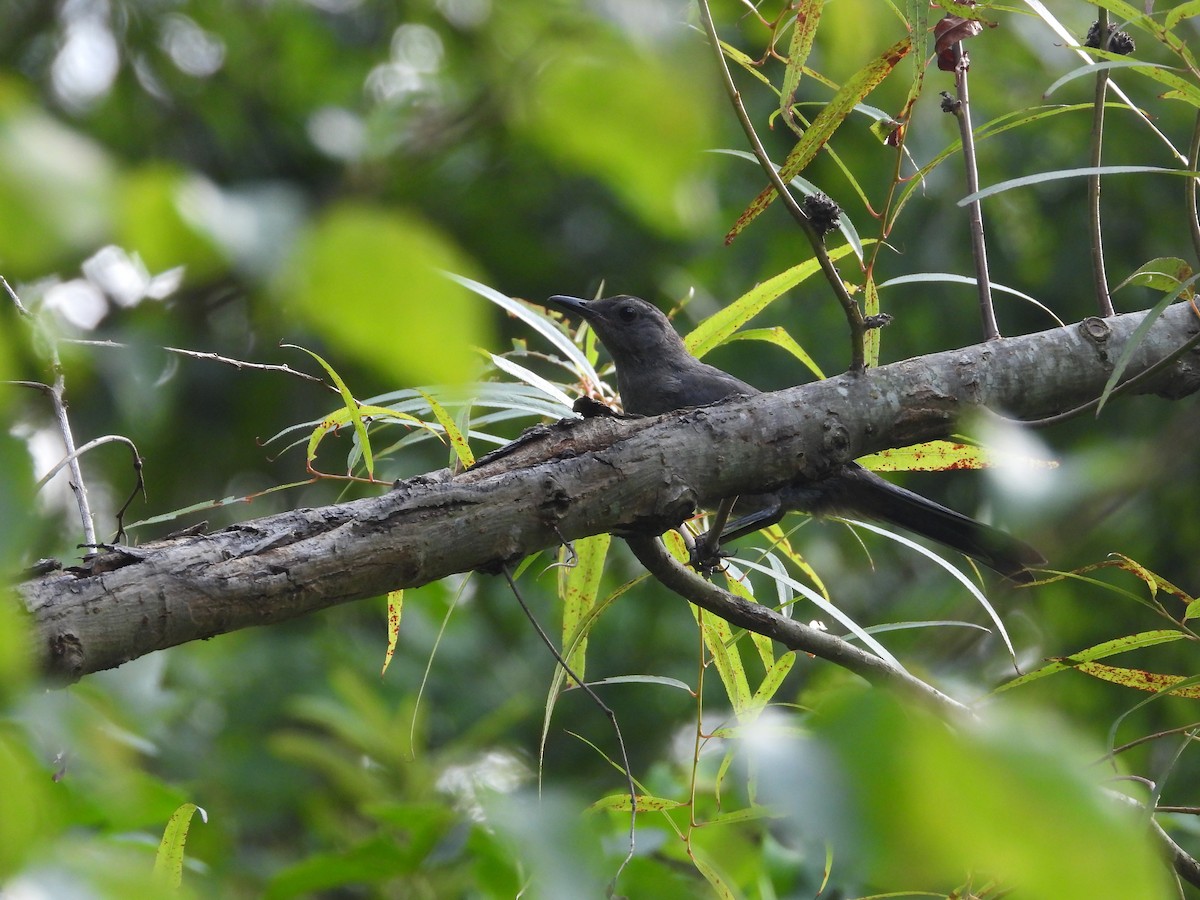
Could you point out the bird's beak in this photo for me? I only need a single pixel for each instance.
(571, 305)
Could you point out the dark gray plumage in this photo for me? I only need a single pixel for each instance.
(656, 374)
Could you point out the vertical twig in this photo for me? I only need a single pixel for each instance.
(854, 316)
(604, 708)
(1099, 276)
(58, 403)
(962, 112)
(1193, 188)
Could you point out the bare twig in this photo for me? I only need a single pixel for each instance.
(1193, 188)
(962, 112)
(57, 394)
(604, 708)
(854, 316)
(215, 357)
(1185, 865)
(1099, 276)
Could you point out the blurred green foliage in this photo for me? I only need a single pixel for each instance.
(297, 171)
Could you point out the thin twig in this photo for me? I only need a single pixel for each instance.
(90, 445)
(962, 112)
(214, 357)
(1137, 742)
(854, 316)
(1185, 865)
(604, 707)
(58, 403)
(1193, 188)
(1099, 276)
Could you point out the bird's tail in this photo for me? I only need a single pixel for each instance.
(858, 492)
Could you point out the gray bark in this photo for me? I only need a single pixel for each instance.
(566, 481)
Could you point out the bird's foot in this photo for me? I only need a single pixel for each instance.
(706, 560)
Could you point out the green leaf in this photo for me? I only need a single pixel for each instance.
(942, 456)
(1096, 651)
(1163, 274)
(352, 411)
(804, 31)
(168, 862)
(1142, 680)
(721, 325)
(871, 339)
(370, 281)
(458, 443)
(770, 684)
(578, 586)
(395, 609)
(645, 803)
(780, 338)
(1184, 89)
(1135, 340)
(1180, 12)
(718, 638)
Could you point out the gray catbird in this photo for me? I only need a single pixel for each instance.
(656, 374)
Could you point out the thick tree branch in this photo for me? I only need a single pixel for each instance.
(567, 481)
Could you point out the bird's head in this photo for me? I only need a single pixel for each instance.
(629, 327)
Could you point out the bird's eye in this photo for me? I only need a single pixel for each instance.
(628, 313)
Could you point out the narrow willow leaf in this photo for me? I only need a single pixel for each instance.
(824, 125)
(1095, 652)
(578, 586)
(458, 443)
(1059, 174)
(395, 607)
(718, 327)
(168, 862)
(808, 16)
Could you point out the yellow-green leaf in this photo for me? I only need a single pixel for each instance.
(804, 30)
(1142, 680)
(824, 125)
(718, 638)
(578, 585)
(721, 325)
(458, 443)
(395, 608)
(168, 862)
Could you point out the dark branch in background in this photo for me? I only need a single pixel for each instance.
(763, 620)
(577, 478)
(57, 393)
(854, 316)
